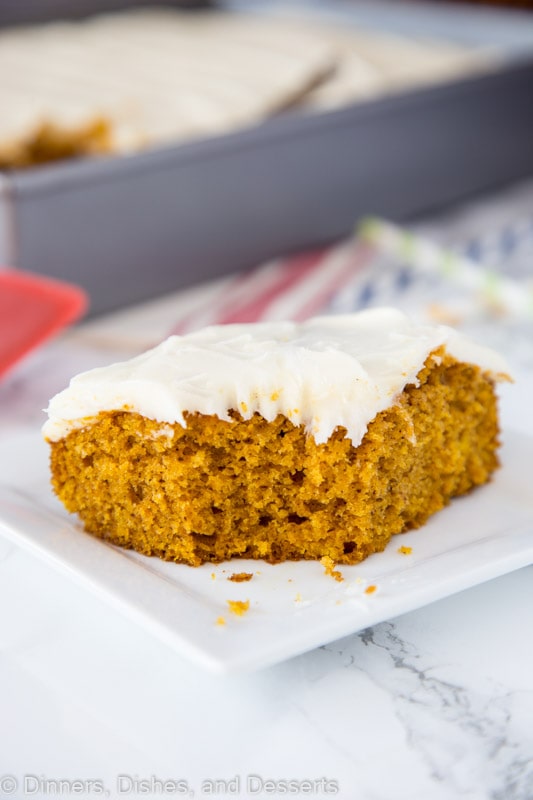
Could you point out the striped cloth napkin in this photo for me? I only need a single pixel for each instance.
(381, 265)
(471, 277)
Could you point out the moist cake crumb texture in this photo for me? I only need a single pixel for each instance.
(212, 489)
(240, 577)
(238, 607)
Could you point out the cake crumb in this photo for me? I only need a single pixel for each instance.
(298, 598)
(371, 589)
(238, 607)
(405, 551)
(221, 621)
(329, 565)
(213, 576)
(240, 577)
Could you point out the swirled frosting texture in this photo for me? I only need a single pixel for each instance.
(323, 373)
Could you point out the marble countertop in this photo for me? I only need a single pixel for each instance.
(436, 704)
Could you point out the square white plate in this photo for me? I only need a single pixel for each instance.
(294, 607)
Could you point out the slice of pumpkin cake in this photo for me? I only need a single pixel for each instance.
(277, 440)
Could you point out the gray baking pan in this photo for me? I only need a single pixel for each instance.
(134, 227)
(131, 228)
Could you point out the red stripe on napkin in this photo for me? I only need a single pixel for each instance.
(295, 287)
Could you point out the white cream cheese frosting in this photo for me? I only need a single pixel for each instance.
(323, 373)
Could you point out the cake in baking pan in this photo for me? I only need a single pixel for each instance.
(123, 82)
(119, 83)
(277, 441)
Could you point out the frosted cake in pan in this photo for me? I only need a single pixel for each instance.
(119, 83)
